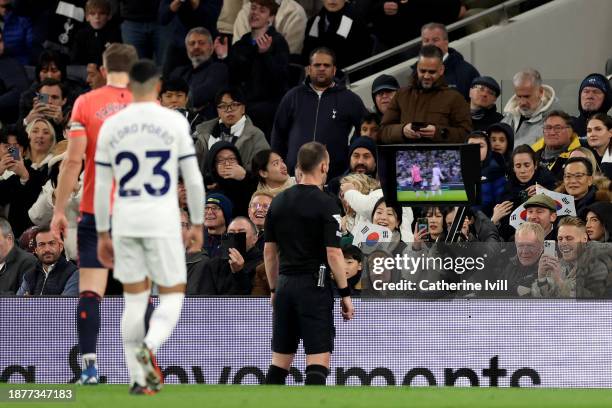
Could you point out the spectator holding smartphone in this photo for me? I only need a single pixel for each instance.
(22, 188)
(233, 274)
(48, 104)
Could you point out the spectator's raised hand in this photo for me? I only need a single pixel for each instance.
(501, 210)
(175, 5)
(220, 45)
(390, 8)
(54, 113)
(531, 190)
(235, 171)
(263, 43)
(18, 167)
(38, 112)
(6, 160)
(236, 261)
(546, 265)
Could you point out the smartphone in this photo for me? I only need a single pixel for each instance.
(14, 152)
(43, 98)
(416, 126)
(422, 224)
(550, 248)
(233, 240)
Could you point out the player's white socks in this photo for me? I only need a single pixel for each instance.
(133, 332)
(164, 319)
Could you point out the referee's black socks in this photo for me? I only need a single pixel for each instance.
(316, 374)
(276, 375)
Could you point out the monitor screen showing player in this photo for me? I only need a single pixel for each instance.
(430, 174)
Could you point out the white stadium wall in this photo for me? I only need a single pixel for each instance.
(565, 40)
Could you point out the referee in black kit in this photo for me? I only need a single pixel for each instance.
(302, 243)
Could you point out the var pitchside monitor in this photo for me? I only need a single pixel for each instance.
(430, 174)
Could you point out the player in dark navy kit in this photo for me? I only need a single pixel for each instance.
(302, 234)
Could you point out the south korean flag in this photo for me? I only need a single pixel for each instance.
(518, 216)
(368, 235)
(565, 202)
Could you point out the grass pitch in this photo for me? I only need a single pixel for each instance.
(220, 396)
(447, 195)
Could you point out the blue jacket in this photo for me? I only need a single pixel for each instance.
(304, 117)
(63, 280)
(13, 81)
(17, 35)
(493, 182)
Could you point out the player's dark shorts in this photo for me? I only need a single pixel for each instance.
(87, 242)
(303, 311)
(417, 184)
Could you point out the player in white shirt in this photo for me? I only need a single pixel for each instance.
(142, 149)
(436, 176)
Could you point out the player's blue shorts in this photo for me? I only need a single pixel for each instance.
(87, 242)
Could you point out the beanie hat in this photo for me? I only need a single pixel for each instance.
(596, 81)
(223, 202)
(489, 82)
(364, 142)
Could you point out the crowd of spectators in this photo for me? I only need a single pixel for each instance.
(258, 79)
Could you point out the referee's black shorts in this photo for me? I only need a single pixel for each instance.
(302, 310)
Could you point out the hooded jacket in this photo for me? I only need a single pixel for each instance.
(251, 141)
(492, 181)
(506, 130)
(532, 128)
(580, 123)
(239, 192)
(440, 106)
(340, 32)
(556, 166)
(303, 116)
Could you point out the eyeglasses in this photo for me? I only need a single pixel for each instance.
(225, 107)
(259, 206)
(555, 129)
(212, 208)
(570, 176)
(228, 160)
(484, 89)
